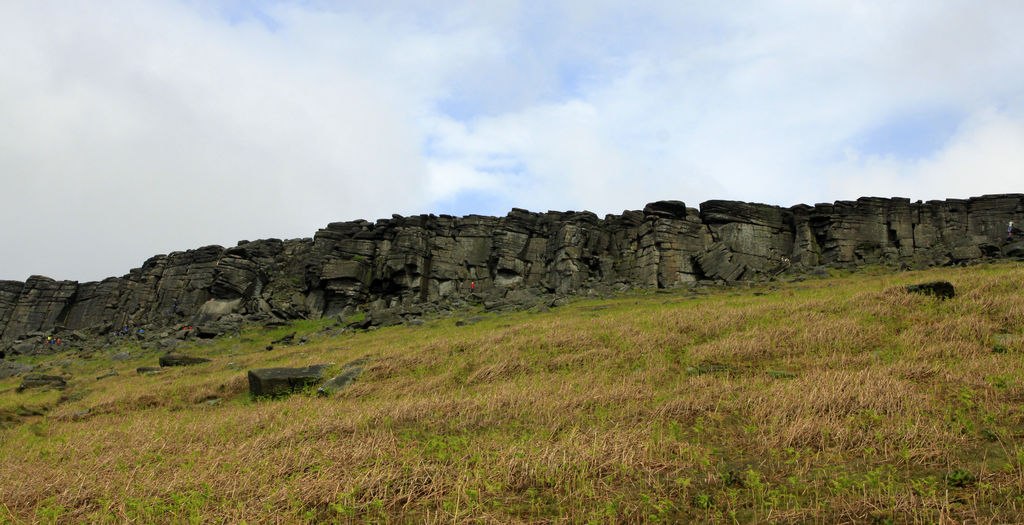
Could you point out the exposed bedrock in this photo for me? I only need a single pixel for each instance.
(408, 262)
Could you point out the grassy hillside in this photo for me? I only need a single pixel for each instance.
(826, 401)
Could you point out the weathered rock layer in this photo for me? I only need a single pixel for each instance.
(409, 261)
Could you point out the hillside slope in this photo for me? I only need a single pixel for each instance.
(842, 399)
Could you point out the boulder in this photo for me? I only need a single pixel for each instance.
(181, 360)
(384, 318)
(169, 343)
(286, 340)
(24, 348)
(348, 374)
(966, 253)
(209, 331)
(940, 289)
(1014, 249)
(42, 381)
(147, 369)
(225, 325)
(339, 381)
(820, 272)
(282, 381)
(666, 209)
(14, 368)
(361, 324)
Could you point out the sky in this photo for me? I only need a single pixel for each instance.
(130, 129)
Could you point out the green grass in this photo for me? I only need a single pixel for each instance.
(881, 407)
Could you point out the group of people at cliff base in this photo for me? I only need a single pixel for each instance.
(53, 340)
(126, 331)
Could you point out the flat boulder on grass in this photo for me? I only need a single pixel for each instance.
(348, 374)
(42, 381)
(283, 381)
(940, 289)
(181, 360)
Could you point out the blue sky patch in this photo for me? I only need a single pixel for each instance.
(238, 12)
(480, 202)
(909, 136)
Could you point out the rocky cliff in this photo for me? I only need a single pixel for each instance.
(408, 263)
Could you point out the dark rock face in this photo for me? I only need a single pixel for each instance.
(14, 368)
(940, 289)
(281, 381)
(402, 263)
(181, 360)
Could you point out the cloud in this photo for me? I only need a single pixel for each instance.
(140, 128)
(985, 156)
(752, 104)
(135, 130)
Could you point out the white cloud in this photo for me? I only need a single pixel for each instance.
(140, 130)
(985, 156)
(756, 109)
(137, 128)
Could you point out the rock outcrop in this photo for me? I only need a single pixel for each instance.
(409, 263)
(181, 360)
(282, 381)
(42, 381)
(940, 289)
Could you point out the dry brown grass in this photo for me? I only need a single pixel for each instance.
(899, 410)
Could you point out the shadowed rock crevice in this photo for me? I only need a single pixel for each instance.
(403, 263)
